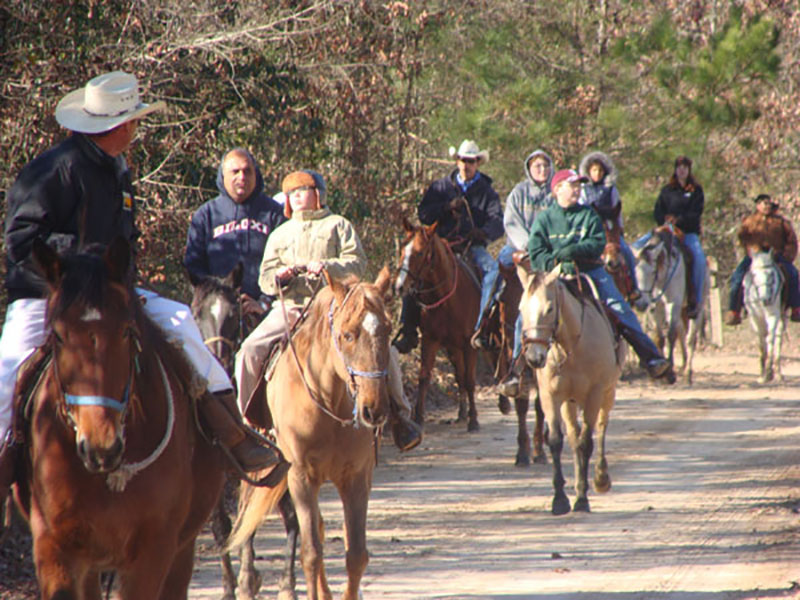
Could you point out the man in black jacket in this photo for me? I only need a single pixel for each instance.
(467, 209)
(76, 194)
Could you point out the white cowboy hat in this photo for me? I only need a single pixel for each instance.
(107, 101)
(469, 149)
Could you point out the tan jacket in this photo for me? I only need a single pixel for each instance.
(308, 236)
(772, 231)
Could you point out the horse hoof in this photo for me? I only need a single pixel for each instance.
(560, 506)
(473, 426)
(523, 460)
(504, 404)
(581, 505)
(540, 459)
(602, 483)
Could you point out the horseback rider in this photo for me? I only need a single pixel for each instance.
(311, 240)
(528, 198)
(233, 227)
(601, 193)
(77, 194)
(467, 209)
(572, 235)
(765, 229)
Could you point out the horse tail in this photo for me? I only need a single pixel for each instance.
(255, 503)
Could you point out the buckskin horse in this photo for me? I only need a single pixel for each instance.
(450, 300)
(571, 344)
(328, 398)
(117, 476)
(217, 310)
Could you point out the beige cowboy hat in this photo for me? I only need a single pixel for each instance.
(469, 149)
(107, 101)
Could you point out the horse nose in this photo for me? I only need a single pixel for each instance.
(535, 357)
(100, 460)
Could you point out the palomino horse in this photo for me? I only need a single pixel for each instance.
(118, 477)
(763, 284)
(500, 327)
(217, 310)
(661, 271)
(450, 300)
(328, 397)
(570, 343)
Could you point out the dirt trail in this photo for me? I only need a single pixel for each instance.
(705, 504)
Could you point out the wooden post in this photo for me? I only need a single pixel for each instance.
(714, 301)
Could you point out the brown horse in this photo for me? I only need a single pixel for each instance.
(117, 476)
(328, 398)
(217, 311)
(614, 259)
(570, 343)
(441, 283)
(500, 326)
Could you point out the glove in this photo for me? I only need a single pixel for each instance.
(566, 253)
(456, 203)
(477, 236)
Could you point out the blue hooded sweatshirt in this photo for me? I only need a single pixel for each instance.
(223, 233)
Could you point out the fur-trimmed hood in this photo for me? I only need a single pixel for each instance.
(604, 159)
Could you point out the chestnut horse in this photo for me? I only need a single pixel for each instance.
(328, 397)
(217, 311)
(117, 475)
(571, 344)
(450, 300)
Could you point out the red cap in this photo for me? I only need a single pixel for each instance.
(566, 175)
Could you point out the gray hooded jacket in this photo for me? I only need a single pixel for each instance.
(525, 202)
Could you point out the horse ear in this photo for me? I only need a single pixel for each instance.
(431, 229)
(47, 261)
(407, 226)
(234, 278)
(384, 280)
(118, 259)
(337, 288)
(524, 275)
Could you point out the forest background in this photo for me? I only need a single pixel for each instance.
(373, 93)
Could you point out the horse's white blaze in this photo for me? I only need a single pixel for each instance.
(401, 277)
(91, 314)
(216, 310)
(371, 323)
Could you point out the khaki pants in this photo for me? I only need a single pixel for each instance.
(256, 347)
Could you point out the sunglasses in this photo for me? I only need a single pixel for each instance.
(468, 161)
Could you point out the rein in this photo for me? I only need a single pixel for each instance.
(429, 263)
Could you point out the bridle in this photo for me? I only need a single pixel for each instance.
(422, 276)
(671, 272)
(231, 343)
(547, 340)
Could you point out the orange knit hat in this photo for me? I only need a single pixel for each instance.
(293, 181)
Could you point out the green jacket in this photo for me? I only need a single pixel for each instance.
(311, 235)
(572, 236)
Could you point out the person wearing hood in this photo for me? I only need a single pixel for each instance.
(233, 228)
(525, 202)
(76, 195)
(572, 236)
(468, 213)
(313, 239)
(601, 193)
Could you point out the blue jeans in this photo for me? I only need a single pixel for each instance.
(735, 298)
(692, 242)
(505, 258)
(488, 267)
(631, 329)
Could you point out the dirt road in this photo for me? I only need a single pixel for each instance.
(705, 504)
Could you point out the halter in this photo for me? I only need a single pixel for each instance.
(654, 299)
(547, 341)
(766, 291)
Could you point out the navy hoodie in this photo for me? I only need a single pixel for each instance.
(223, 233)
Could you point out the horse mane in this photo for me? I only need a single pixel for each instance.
(84, 282)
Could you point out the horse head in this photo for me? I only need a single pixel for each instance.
(539, 308)
(651, 259)
(94, 340)
(217, 311)
(360, 328)
(415, 256)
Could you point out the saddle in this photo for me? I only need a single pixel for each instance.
(583, 289)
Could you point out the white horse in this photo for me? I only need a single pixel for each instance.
(763, 284)
(661, 273)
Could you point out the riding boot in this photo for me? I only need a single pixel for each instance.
(8, 462)
(410, 316)
(221, 415)
(656, 365)
(405, 432)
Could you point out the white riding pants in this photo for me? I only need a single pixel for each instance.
(24, 331)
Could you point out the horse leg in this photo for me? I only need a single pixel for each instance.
(176, 584)
(457, 359)
(470, 364)
(581, 442)
(523, 439)
(249, 577)
(287, 582)
(305, 493)
(221, 528)
(539, 456)
(427, 358)
(694, 333)
(355, 497)
(55, 577)
(759, 325)
(602, 480)
(555, 440)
